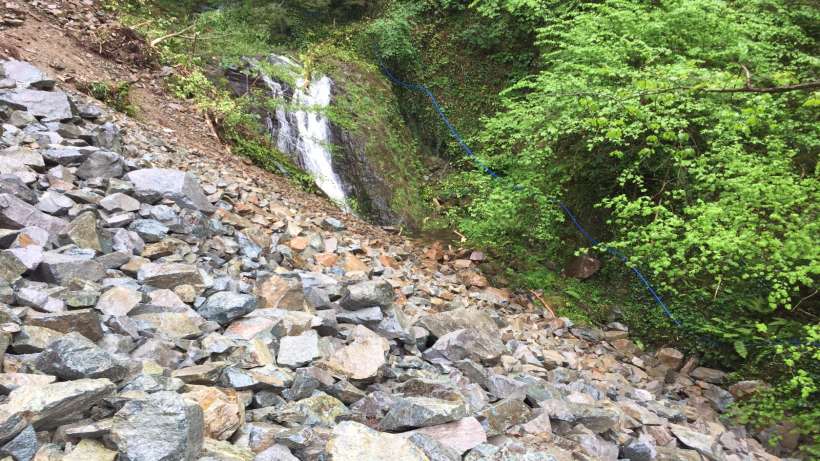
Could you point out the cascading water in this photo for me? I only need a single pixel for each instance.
(304, 133)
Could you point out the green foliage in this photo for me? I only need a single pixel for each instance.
(117, 95)
(714, 194)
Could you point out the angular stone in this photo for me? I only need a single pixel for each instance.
(582, 267)
(367, 294)
(598, 417)
(25, 75)
(150, 230)
(54, 203)
(118, 301)
(500, 416)
(84, 233)
(61, 268)
(710, 375)
(469, 344)
(84, 321)
(101, 164)
(362, 359)
(11, 381)
(276, 291)
(73, 356)
(155, 183)
(216, 450)
(223, 413)
(90, 450)
(298, 351)
(225, 306)
(33, 339)
(461, 436)
(11, 267)
(445, 322)
(55, 404)
(670, 357)
(23, 446)
(318, 410)
(276, 453)
(169, 275)
(163, 427)
(17, 214)
(352, 441)
(120, 202)
(414, 412)
(48, 105)
(702, 443)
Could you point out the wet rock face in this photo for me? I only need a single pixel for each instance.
(149, 315)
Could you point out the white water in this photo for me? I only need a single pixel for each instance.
(306, 132)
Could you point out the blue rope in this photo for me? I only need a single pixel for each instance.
(564, 208)
(457, 136)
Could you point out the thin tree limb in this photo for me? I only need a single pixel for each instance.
(159, 40)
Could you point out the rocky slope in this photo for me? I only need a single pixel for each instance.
(149, 313)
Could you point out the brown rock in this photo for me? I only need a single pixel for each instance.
(582, 267)
(282, 292)
(84, 321)
(670, 357)
(462, 435)
(222, 410)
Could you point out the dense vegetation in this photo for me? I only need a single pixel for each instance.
(684, 133)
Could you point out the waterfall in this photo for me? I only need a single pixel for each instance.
(304, 132)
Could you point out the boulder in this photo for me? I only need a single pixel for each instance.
(73, 356)
(55, 404)
(298, 351)
(163, 427)
(351, 441)
(367, 294)
(414, 412)
(17, 214)
(49, 106)
(153, 184)
(225, 306)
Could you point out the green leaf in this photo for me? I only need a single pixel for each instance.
(740, 348)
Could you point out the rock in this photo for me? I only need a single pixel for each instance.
(298, 351)
(362, 359)
(118, 301)
(367, 294)
(11, 267)
(414, 412)
(351, 441)
(282, 292)
(88, 450)
(33, 339)
(702, 443)
(61, 268)
(120, 202)
(223, 413)
(49, 106)
(101, 164)
(84, 233)
(17, 214)
(445, 322)
(670, 357)
(743, 389)
(84, 321)
(469, 344)
(499, 417)
(58, 403)
(54, 203)
(640, 449)
(275, 453)
(709, 375)
(434, 449)
(22, 447)
(582, 267)
(460, 436)
(11, 381)
(215, 450)
(73, 356)
(25, 75)
(224, 306)
(162, 427)
(155, 183)
(149, 230)
(169, 275)
(319, 409)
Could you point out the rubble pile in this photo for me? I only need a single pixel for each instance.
(149, 313)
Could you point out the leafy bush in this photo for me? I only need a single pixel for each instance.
(115, 94)
(675, 121)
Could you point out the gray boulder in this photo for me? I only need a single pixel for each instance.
(367, 294)
(225, 306)
(16, 214)
(73, 356)
(49, 106)
(102, 164)
(163, 427)
(153, 184)
(60, 268)
(52, 405)
(415, 412)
